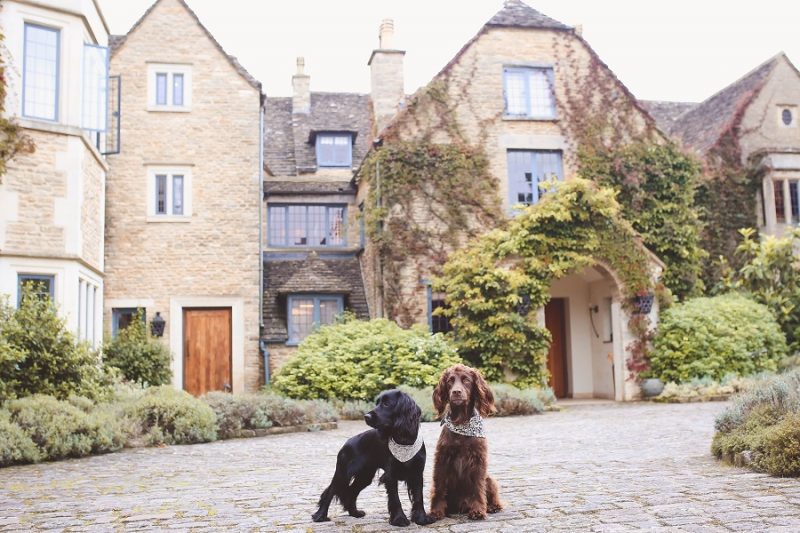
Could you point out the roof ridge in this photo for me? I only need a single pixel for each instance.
(744, 77)
(516, 13)
(238, 67)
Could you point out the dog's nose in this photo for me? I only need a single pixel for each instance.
(456, 393)
(368, 418)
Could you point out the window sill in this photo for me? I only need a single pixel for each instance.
(168, 109)
(293, 343)
(515, 118)
(168, 218)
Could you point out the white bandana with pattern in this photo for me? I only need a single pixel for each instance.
(405, 452)
(472, 428)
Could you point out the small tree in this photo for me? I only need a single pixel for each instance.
(140, 358)
(770, 272)
(39, 355)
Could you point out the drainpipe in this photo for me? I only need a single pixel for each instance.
(262, 345)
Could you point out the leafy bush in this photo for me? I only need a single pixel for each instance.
(38, 355)
(59, 429)
(15, 445)
(705, 389)
(764, 423)
(770, 272)
(712, 337)
(355, 360)
(235, 412)
(139, 358)
(165, 415)
(352, 409)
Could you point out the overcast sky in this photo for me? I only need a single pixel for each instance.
(662, 50)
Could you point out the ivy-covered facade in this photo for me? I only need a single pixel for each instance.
(481, 146)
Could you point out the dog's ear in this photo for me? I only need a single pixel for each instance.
(441, 394)
(484, 398)
(406, 418)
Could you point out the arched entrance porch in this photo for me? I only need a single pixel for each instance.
(588, 325)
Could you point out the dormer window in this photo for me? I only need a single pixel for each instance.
(169, 87)
(334, 150)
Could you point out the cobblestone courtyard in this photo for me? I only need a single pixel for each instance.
(610, 467)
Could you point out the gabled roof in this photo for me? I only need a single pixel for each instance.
(517, 14)
(312, 274)
(288, 138)
(704, 125)
(666, 113)
(117, 41)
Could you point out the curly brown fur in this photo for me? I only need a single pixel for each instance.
(461, 483)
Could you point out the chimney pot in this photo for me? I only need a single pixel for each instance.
(301, 64)
(386, 35)
(579, 30)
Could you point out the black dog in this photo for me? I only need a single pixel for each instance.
(394, 446)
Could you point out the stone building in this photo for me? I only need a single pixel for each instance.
(313, 141)
(512, 90)
(759, 113)
(182, 237)
(52, 201)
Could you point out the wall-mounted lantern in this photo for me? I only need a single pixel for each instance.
(157, 325)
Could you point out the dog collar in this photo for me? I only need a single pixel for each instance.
(405, 452)
(472, 428)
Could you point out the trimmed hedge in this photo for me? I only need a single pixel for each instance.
(165, 415)
(356, 360)
(763, 425)
(714, 337)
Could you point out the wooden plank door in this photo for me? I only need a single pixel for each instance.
(555, 320)
(206, 350)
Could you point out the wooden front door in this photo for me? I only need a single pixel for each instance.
(206, 350)
(555, 320)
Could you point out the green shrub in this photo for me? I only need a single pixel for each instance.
(764, 423)
(59, 429)
(770, 273)
(712, 337)
(139, 358)
(165, 415)
(16, 447)
(38, 355)
(355, 360)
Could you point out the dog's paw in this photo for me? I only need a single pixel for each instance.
(437, 513)
(358, 513)
(400, 521)
(494, 508)
(319, 517)
(476, 515)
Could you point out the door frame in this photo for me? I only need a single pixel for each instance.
(230, 343)
(175, 329)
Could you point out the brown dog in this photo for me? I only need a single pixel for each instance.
(461, 483)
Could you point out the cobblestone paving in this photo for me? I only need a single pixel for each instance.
(613, 467)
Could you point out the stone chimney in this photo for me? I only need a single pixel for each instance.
(386, 72)
(578, 29)
(301, 89)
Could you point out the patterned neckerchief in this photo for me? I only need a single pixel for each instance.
(405, 452)
(472, 428)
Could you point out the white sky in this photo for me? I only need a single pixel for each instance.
(661, 49)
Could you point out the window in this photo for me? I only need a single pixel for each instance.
(780, 212)
(527, 170)
(307, 311)
(437, 323)
(40, 72)
(41, 286)
(169, 193)
(87, 311)
(787, 201)
(122, 317)
(334, 150)
(787, 116)
(169, 87)
(529, 92)
(95, 88)
(307, 225)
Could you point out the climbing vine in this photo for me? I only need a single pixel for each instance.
(12, 139)
(496, 284)
(426, 198)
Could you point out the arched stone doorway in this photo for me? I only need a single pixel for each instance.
(588, 326)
